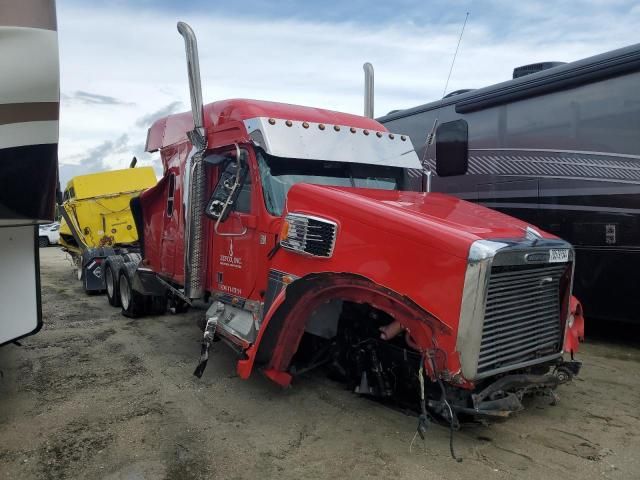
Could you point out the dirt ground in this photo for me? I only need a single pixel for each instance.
(97, 395)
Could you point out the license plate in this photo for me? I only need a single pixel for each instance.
(558, 256)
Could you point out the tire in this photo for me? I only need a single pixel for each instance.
(111, 273)
(157, 305)
(111, 285)
(43, 242)
(132, 302)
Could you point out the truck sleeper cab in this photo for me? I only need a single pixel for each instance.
(330, 254)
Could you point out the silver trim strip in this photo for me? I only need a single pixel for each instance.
(331, 143)
(474, 293)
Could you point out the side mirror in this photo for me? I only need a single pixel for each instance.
(452, 148)
(227, 190)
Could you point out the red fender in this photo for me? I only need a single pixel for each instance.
(419, 325)
(575, 327)
(244, 367)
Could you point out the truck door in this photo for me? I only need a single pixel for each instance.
(235, 245)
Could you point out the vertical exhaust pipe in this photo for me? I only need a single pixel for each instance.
(194, 183)
(368, 90)
(193, 70)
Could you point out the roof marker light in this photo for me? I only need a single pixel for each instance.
(336, 128)
(353, 130)
(321, 126)
(379, 134)
(392, 136)
(366, 132)
(403, 138)
(272, 121)
(288, 123)
(305, 125)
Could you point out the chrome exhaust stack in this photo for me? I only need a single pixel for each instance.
(193, 69)
(194, 184)
(368, 89)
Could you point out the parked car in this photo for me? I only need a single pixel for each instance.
(49, 234)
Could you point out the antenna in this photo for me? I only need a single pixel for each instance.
(431, 135)
(455, 54)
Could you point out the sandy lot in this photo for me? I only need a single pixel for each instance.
(97, 395)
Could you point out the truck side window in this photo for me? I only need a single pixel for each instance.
(170, 193)
(243, 203)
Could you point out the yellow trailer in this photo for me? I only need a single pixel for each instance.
(97, 220)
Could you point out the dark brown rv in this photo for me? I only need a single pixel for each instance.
(559, 148)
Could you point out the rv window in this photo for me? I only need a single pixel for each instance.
(170, 194)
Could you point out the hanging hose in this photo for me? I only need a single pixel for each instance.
(446, 402)
(423, 419)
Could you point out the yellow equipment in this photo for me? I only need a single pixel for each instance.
(96, 209)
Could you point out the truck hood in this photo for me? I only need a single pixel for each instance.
(443, 221)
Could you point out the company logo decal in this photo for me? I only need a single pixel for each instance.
(231, 260)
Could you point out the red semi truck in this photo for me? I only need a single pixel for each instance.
(310, 235)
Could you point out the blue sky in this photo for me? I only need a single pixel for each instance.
(122, 62)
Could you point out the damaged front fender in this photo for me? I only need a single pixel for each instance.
(284, 324)
(575, 327)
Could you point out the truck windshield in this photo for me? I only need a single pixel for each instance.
(278, 175)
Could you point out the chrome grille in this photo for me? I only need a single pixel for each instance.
(310, 235)
(522, 315)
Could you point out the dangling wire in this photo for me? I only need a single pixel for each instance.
(423, 419)
(452, 416)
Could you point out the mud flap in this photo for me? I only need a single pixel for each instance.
(92, 260)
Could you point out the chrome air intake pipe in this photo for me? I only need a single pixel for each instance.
(368, 90)
(194, 184)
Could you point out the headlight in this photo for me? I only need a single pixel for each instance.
(308, 234)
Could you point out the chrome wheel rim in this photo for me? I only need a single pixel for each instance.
(125, 295)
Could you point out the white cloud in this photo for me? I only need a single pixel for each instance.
(135, 57)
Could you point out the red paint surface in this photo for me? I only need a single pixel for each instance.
(575, 333)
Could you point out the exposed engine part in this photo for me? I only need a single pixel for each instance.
(391, 331)
(565, 371)
(375, 357)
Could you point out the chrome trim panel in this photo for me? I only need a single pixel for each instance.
(474, 293)
(332, 143)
